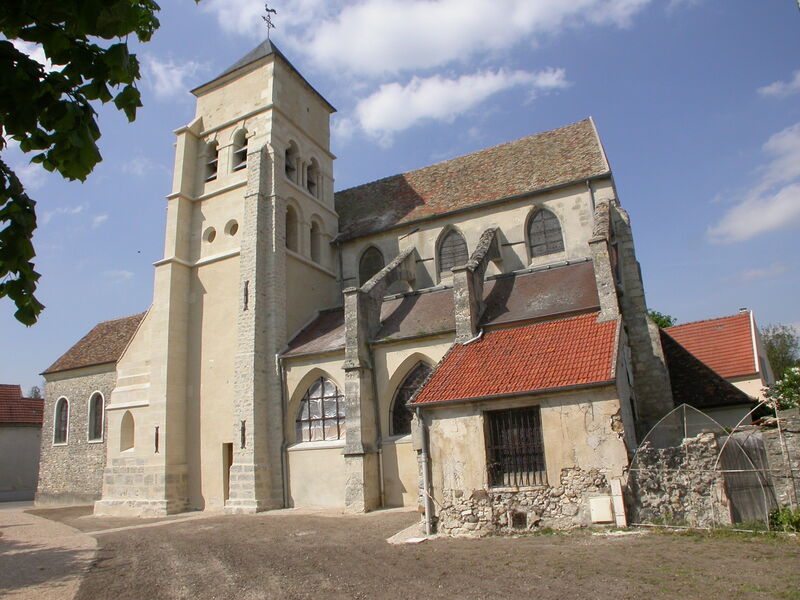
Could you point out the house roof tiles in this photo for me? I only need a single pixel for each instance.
(16, 410)
(534, 163)
(105, 343)
(724, 344)
(695, 383)
(543, 356)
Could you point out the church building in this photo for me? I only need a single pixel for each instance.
(470, 337)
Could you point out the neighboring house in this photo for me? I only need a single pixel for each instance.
(78, 385)
(732, 346)
(292, 328)
(20, 432)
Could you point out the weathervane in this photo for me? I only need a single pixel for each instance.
(268, 18)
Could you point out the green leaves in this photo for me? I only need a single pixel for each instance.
(49, 112)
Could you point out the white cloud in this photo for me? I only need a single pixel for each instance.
(774, 201)
(168, 78)
(138, 166)
(770, 272)
(781, 89)
(99, 220)
(396, 107)
(380, 37)
(117, 276)
(32, 175)
(48, 216)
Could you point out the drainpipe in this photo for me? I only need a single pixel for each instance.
(426, 479)
(284, 457)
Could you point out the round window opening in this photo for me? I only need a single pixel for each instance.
(232, 228)
(210, 235)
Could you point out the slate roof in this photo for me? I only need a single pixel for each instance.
(264, 49)
(724, 344)
(509, 299)
(16, 410)
(695, 383)
(535, 163)
(103, 344)
(551, 355)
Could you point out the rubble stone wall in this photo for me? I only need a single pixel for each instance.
(783, 456)
(678, 485)
(492, 511)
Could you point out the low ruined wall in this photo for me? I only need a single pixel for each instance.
(512, 511)
(678, 485)
(783, 457)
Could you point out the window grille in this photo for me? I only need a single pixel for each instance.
(290, 156)
(60, 422)
(371, 263)
(452, 252)
(514, 448)
(212, 162)
(96, 418)
(544, 234)
(401, 414)
(322, 413)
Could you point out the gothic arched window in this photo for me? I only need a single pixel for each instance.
(371, 263)
(239, 156)
(401, 415)
(96, 417)
(291, 228)
(322, 413)
(61, 421)
(452, 252)
(544, 234)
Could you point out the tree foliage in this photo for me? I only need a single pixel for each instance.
(35, 392)
(785, 393)
(49, 112)
(783, 347)
(661, 319)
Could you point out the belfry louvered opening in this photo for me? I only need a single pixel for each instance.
(514, 448)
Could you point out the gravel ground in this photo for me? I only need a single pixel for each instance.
(289, 555)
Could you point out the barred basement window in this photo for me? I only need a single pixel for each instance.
(452, 252)
(514, 448)
(322, 413)
(401, 415)
(544, 234)
(371, 263)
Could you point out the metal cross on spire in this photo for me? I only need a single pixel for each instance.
(267, 18)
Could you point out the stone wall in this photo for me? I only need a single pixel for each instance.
(783, 457)
(491, 511)
(678, 485)
(72, 473)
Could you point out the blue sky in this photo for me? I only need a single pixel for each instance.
(697, 103)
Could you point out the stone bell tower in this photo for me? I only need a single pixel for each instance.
(247, 261)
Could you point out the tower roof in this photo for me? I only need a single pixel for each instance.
(263, 50)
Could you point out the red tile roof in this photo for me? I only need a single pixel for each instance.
(724, 344)
(554, 354)
(16, 410)
(103, 344)
(531, 164)
(695, 383)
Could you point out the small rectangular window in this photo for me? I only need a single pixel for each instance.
(514, 448)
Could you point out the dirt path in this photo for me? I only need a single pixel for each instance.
(288, 556)
(40, 558)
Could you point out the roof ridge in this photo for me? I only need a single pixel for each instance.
(121, 318)
(708, 320)
(468, 154)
